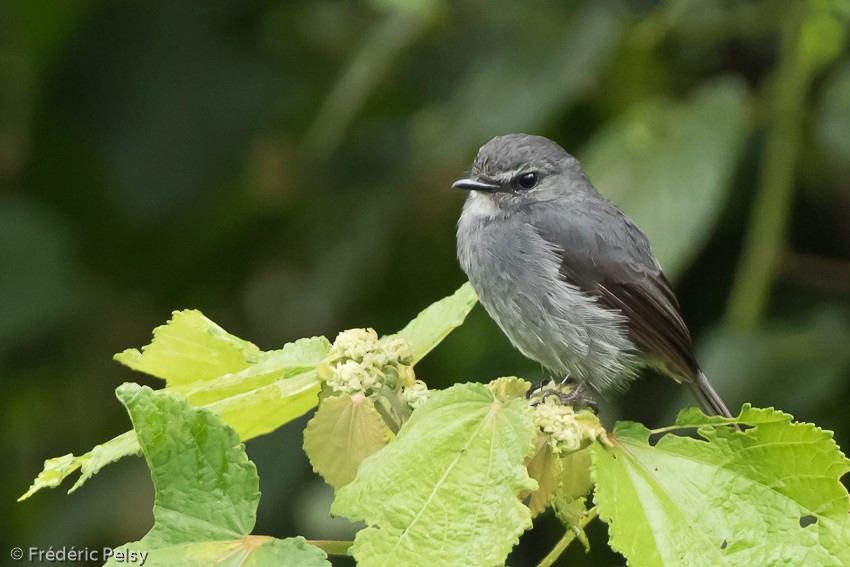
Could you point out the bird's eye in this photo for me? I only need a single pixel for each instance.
(527, 180)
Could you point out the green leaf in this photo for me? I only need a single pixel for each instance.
(256, 393)
(509, 387)
(59, 468)
(545, 468)
(433, 324)
(275, 388)
(247, 551)
(575, 479)
(769, 495)
(299, 357)
(280, 386)
(265, 409)
(190, 348)
(570, 500)
(207, 490)
(344, 431)
(445, 491)
(669, 166)
(253, 391)
(203, 479)
(251, 413)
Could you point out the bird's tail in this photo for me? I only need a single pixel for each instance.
(708, 399)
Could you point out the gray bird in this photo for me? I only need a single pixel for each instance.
(567, 276)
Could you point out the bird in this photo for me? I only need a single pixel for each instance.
(567, 276)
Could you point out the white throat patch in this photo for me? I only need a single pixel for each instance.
(480, 205)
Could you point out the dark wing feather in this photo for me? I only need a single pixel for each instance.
(604, 254)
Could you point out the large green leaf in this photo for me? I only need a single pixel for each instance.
(669, 166)
(207, 490)
(445, 491)
(769, 495)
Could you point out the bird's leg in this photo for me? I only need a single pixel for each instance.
(577, 396)
(531, 391)
(567, 391)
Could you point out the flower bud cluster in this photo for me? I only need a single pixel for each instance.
(567, 430)
(363, 363)
(416, 395)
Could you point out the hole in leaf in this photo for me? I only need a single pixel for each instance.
(808, 520)
(724, 544)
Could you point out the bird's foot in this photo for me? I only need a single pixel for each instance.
(534, 389)
(567, 392)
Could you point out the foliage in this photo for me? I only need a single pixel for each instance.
(455, 476)
(285, 168)
(254, 392)
(768, 495)
(444, 491)
(207, 491)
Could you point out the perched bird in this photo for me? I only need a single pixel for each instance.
(566, 275)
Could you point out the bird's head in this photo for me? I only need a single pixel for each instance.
(518, 170)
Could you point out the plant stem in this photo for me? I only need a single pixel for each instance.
(568, 538)
(332, 547)
(770, 213)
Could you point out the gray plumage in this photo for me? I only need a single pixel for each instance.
(566, 275)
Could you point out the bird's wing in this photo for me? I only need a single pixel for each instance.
(605, 255)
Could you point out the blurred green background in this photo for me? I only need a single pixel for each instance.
(285, 167)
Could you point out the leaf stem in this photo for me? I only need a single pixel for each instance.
(670, 428)
(568, 538)
(332, 547)
(769, 217)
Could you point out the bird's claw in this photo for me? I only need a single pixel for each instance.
(567, 395)
(572, 398)
(531, 391)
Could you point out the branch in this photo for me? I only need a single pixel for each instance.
(568, 538)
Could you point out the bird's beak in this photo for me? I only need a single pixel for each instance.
(475, 185)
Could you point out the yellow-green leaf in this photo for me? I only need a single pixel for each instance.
(190, 348)
(344, 431)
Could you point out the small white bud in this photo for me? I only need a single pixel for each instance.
(416, 395)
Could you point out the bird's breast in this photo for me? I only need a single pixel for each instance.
(516, 274)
